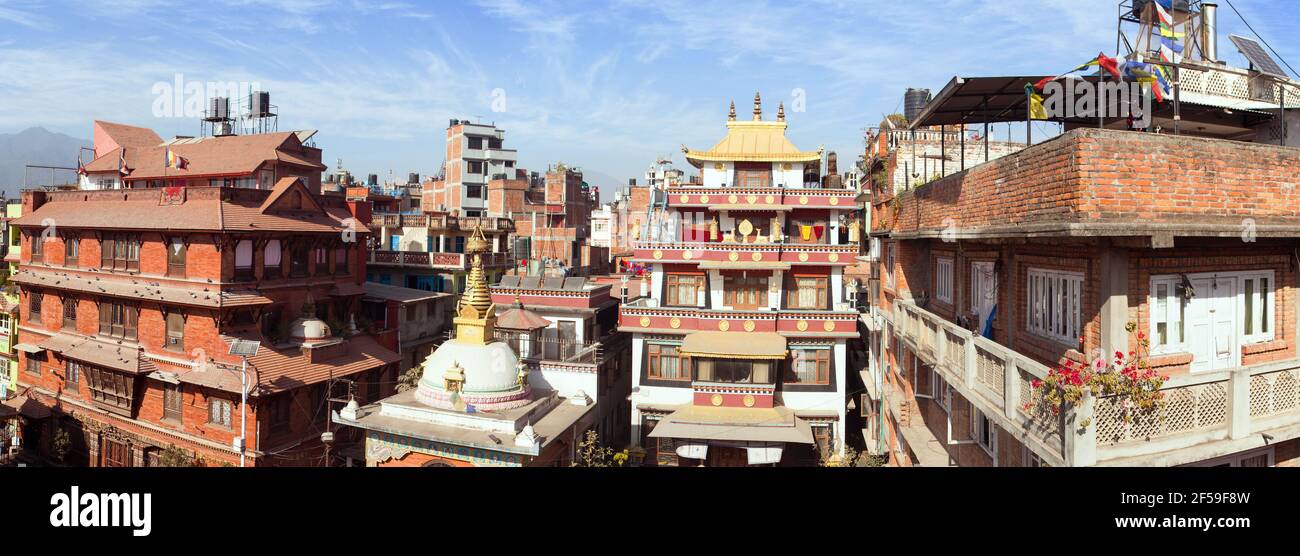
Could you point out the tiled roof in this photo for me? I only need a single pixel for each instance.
(287, 368)
(209, 156)
(202, 208)
(137, 288)
(129, 135)
(754, 142)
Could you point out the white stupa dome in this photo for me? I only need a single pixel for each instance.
(490, 368)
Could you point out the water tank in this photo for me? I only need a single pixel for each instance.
(259, 104)
(1178, 5)
(631, 182)
(372, 179)
(223, 129)
(914, 100)
(413, 178)
(218, 108)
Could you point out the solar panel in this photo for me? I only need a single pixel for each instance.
(575, 284)
(1258, 58)
(244, 348)
(509, 281)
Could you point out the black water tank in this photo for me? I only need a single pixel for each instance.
(914, 100)
(372, 179)
(413, 178)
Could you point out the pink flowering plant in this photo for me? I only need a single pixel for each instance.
(1126, 377)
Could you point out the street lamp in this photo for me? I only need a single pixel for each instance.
(244, 349)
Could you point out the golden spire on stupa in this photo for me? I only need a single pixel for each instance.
(731, 116)
(476, 316)
(758, 108)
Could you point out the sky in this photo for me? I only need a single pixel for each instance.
(606, 86)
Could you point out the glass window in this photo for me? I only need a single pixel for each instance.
(175, 331)
(666, 363)
(684, 290)
(943, 280)
(809, 293)
(271, 259)
(1055, 304)
(219, 412)
(809, 366)
(176, 256)
(738, 371)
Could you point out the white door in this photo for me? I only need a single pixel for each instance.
(1212, 324)
(984, 292)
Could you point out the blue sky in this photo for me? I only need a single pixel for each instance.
(607, 86)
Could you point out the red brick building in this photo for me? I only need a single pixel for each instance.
(131, 298)
(991, 276)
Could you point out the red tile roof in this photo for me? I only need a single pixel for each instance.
(209, 156)
(129, 135)
(287, 368)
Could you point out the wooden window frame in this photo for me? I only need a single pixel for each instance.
(120, 251)
(676, 280)
(174, 340)
(821, 292)
(654, 365)
(823, 362)
(176, 260)
(71, 251)
(749, 286)
(943, 279)
(1055, 300)
(35, 300)
(173, 403)
(223, 409)
(119, 320)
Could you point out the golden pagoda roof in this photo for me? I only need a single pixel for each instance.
(753, 141)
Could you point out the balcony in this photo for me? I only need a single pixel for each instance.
(441, 222)
(643, 315)
(744, 255)
(435, 261)
(1207, 415)
(760, 198)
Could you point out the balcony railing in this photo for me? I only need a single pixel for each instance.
(645, 315)
(441, 222)
(424, 259)
(743, 253)
(1221, 410)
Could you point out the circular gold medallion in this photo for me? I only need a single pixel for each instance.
(770, 199)
(787, 166)
(724, 325)
(719, 166)
(835, 200)
(686, 254)
(751, 198)
(749, 326)
(704, 198)
(732, 199)
(803, 199)
(749, 400)
(685, 198)
(645, 322)
(745, 228)
(733, 256)
(716, 399)
(829, 326)
(803, 257)
(801, 325)
(675, 323)
(658, 254)
(834, 257)
(756, 256)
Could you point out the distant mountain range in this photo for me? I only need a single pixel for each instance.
(36, 146)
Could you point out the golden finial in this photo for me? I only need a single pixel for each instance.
(780, 112)
(476, 317)
(477, 243)
(731, 116)
(758, 107)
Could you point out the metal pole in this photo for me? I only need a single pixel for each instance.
(962, 141)
(943, 150)
(243, 411)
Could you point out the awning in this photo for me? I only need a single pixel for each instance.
(27, 407)
(747, 424)
(29, 348)
(734, 345)
(756, 453)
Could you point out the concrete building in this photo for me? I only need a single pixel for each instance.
(419, 318)
(426, 251)
(566, 330)
(1091, 243)
(474, 155)
(739, 351)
